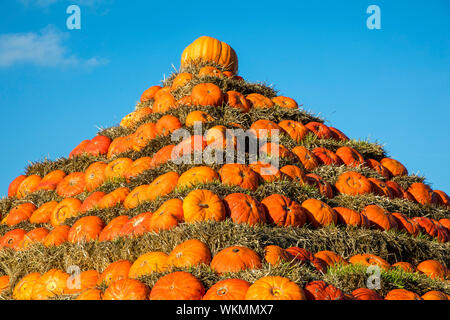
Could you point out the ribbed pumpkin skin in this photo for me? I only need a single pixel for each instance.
(210, 49)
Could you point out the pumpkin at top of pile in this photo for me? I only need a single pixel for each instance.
(210, 49)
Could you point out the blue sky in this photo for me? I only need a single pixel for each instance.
(57, 86)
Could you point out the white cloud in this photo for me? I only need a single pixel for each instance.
(45, 48)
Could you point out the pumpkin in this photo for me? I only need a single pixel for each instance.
(126, 289)
(194, 144)
(276, 151)
(236, 174)
(57, 236)
(136, 226)
(95, 175)
(64, 210)
(445, 223)
(283, 211)
(353, 183)
(162, 156)
(34, 236)
(319, 213)
(162, 185)
(177, 286)
(164, 103)
(265, 128)
(220, 137)
(431, 228)
(113, 198)
(211, 50)
(266, 170)
(85, 229)
(12, 239)
(319, 290)
(396, 190)
(405, 266)
(323, 186)
(168, 215)
(19, 213)
(149, 94)
(185, 101)
(403, 223)
(238, 101)
(90, 294)
(197, 116)
(43, 213)
(28, 185)
(167, 124)
(115, 271)
(285, 102)
(14, 185)
(148, 263)
(274, 288)
(300, 254)
(91, 202)
(189, 253)
(227, 289)
(24, 288)
(380, 188)
(228, 74)
(367, 259)
(112, 229)
(306, 157)
(275, 255)
(235, 259)
(207, 94)
(432, 269)
(143, 135)
(442, 198)
(130, 120)
(137, 196)
(320, 130)
(330, 258)
(422, 193)
(181, 80)
(85, 280)
(242, 208)
(72, 185)
(120, 145)
(350, 217)
(161, 92)
(259, 101)
(210, 71)
(99, 145)
(296, 130)
(138, 167)
(326, 157)
(394, 167)
(434, 295)
(4, 283)
(375, 165)
(294, 173)
(379, 218)
(197, 175)
(402, 294)
(203, 205)
(365, 294)
(79, 149)
(338, 134)
(51, 180)
(50, 284)
(350, 156)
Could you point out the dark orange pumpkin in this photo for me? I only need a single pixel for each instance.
(227, 289)
(112, 229)
(319, 290)
(365, 294)
(164, 103)
(14, 185)
(326, 157)
(12, 239)
(177, 286)
(283, 211)
(350, 217)
(167, 124)
(237, 100)
(85, 229)
(306, 157)
(379, 218)
(236, 174)
(422, 193)
(95, 175)
(296, 130)
(28, 185)
(189, 253)
(394, 167)
(207, 94)
(259, 101)
(320, 130)
(324, 187)
(274, 288)
(319, 213)
(285, 102)
(242, 208)
(99, 145)
(353, 183)
(402, 294)
(350, 156)
(72, 185)
(235, 259)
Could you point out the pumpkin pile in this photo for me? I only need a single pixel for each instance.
(141, 211)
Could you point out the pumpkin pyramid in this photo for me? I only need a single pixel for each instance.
(217, 188)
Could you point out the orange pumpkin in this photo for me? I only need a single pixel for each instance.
(162, 156)
(285, 102)
(168, 216)
(72, 185)
(330, 258)
(19, 213)
(85, 229)
(238, 101)
(148, 263)
(275, 255)
(131, 119)
(197, 175)
(379, 218)
(117, 168)
(266, 170)
(34, 236)
(143, 135)
(64, 210)
(121, 145)
(259, 101)
(24, 288)
(367, 259)
(50, 284)
(403, 223)
(319, 290)
(197, 116)
(138, 167)
(338, 134)
(402, 294)
(326, 157)
(193, 144)
(283, 211)
(90, 294)
(320, 130)
(242, 208)
(394, 167)
(234, 259)
(323, 186)
(167, 124)
(95, 175)
(306, 157)
(92, 201)
(181, 80)
(112, 229)
(375, 165)
(422, 193)
(442, 198)
(85, 280)
(350, 156)
(274, 288)
(57, 236)
(12, 239)
(79, 149)
(207, 94)
(99, 145)
(405, 266)
(43, 213)
(296, 130)
(15, 184)
(265, 128)
(353, 183)
(434, 295)
(115, 271)
(380, 188)
(162, 185)
(350, 217)
(126, 289)
(228, 289)
(136, 226)
(113, 198)
(28, 185)
(189, 253)
(236, 174)
(164, 103)
(177, 286)
(365, 294)
(150, 93)
(137, 196)
(432, 269)
(51, 180)
(203, 205)
(294, 173)
(210, 71)
(319, 213)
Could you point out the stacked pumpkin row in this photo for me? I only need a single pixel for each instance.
(121, 277)
(198, 205)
